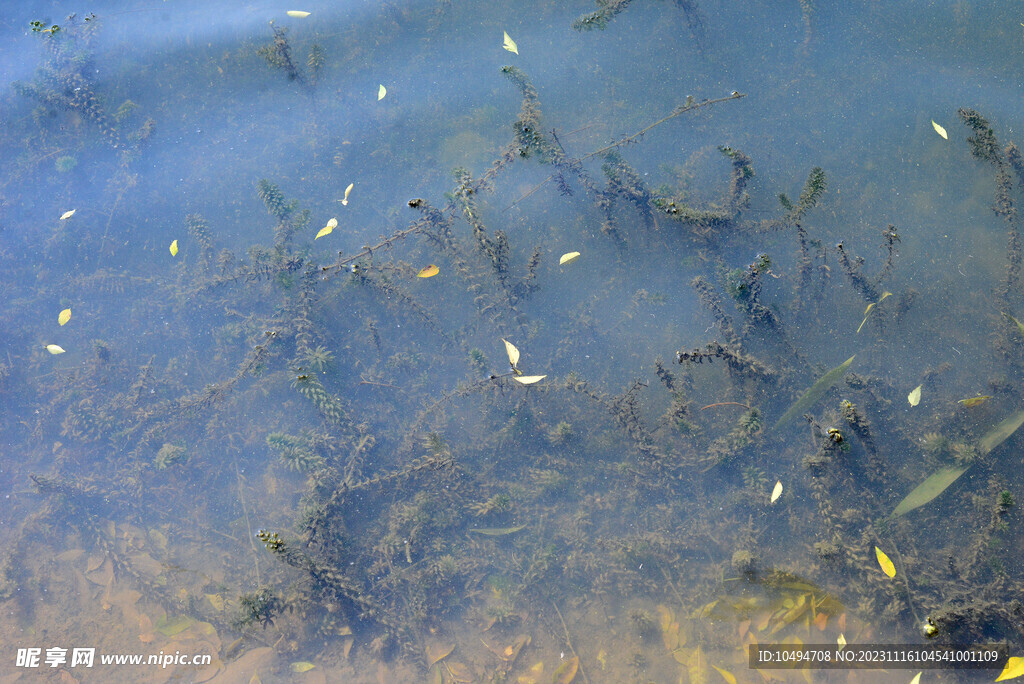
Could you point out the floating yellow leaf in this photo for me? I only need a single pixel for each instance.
(883, 561)
(940, 130)
(67, 214)
(428, 271)
(777, 492)
(915, 396)
(568, 258)
(1014, 668)
(916, 679)
(841, 641)
(54, 349)
(64, 316)
(513, 353)
(510, 44)
(726, 675)
(528, 379)
(344, 200)
(326, 230)
(975, 401)
(174, 248)
(381, 92)
(302, 666)
(298, 14)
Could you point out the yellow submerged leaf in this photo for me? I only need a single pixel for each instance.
(302, 666)
(344, 200)
(568, 258)
(428, 271)
(870, 307)
(940, 130)
(513, 353)
(777, 492)
(916, 679)
(528, 379)
(974, 401)
(67, 214)
(381, 92)
(841, 641)
(915, 396)
(510, 44)
(439, 651)
(1014, 668)
(566, 672)
(726, 675)
(883, 561)
(174, 248)
(326, 230)
(64, 316)
(54, 349)
(298, 14)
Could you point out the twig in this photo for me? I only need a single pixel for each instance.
(569, 642)
(725, 403)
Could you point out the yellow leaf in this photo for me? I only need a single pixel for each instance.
(302, 666)
(870, 307)
(64, 316)
(216, 600)
(439, 651)
(326, 230)
(777, 492)
(298, 14)
(528, 379)
(513, 353)
(54, 349)
(428, 271)
(915, 396)
(174, 248)
(566, 672)
(883, 561)
(916, 679)
(1014, 668)
(568, 258)
(974, 401)
(381, 92)
(510, 44)
(726, 675)
(841, 641)
(940, 130)
(67, 214)
(344, 200)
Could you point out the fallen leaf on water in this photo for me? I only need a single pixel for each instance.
(381, 92)
(915, 396)
(174, 248)
(528, 379)
(1014, 668)
(824, 383)
(326, 230)
(439, 651)
(64, 316)
(777, 492)
(841, 641)
(934, 485)
(302, 666)
(916, 679)
(67, 214)
(566, 672)
(54, 349)
(726, 675)
(568, 258)
(298, 14)
(513, 353)
(975, 401)
(940, 130)
(428, 271)
(498, 531)
(510, 44)
(883, 561)
(344, 200)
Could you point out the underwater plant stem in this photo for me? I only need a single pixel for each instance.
(725, 403)
(568, 642)
(248, 525)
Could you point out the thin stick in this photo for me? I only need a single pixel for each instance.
(569, 642)
(252, 545)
